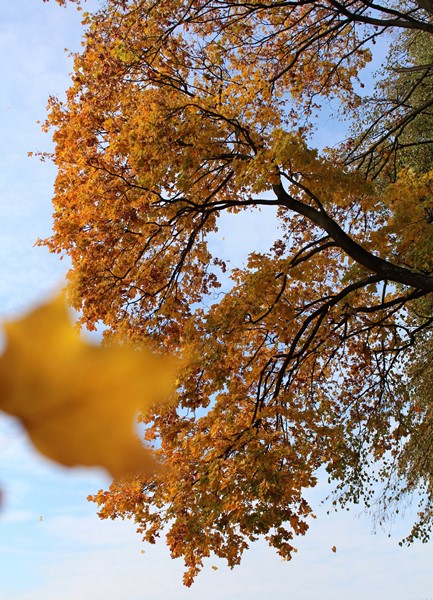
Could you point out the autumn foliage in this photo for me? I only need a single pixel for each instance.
(179, 111)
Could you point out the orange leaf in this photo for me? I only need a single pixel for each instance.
(78, 401)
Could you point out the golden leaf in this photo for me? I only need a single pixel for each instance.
(78, 401)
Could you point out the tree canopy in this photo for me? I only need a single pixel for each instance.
(318, 354)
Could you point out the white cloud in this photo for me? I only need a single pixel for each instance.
(17, 516)
(88, 558)
(117, 570)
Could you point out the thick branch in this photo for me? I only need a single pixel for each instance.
(380, 266)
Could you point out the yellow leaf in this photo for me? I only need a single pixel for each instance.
(78, 401)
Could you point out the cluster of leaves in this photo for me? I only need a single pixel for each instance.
(397, 126)
(177, 112)
(396, 129)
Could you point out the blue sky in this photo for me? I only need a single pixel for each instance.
(71, 554)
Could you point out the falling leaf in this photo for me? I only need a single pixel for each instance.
(78, 401)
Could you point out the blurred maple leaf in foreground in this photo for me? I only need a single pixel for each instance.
(78, 401)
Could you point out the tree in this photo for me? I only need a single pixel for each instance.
(180, 111)
(396, 130)
(397, 133)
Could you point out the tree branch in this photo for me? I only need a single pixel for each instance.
(380, 266)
